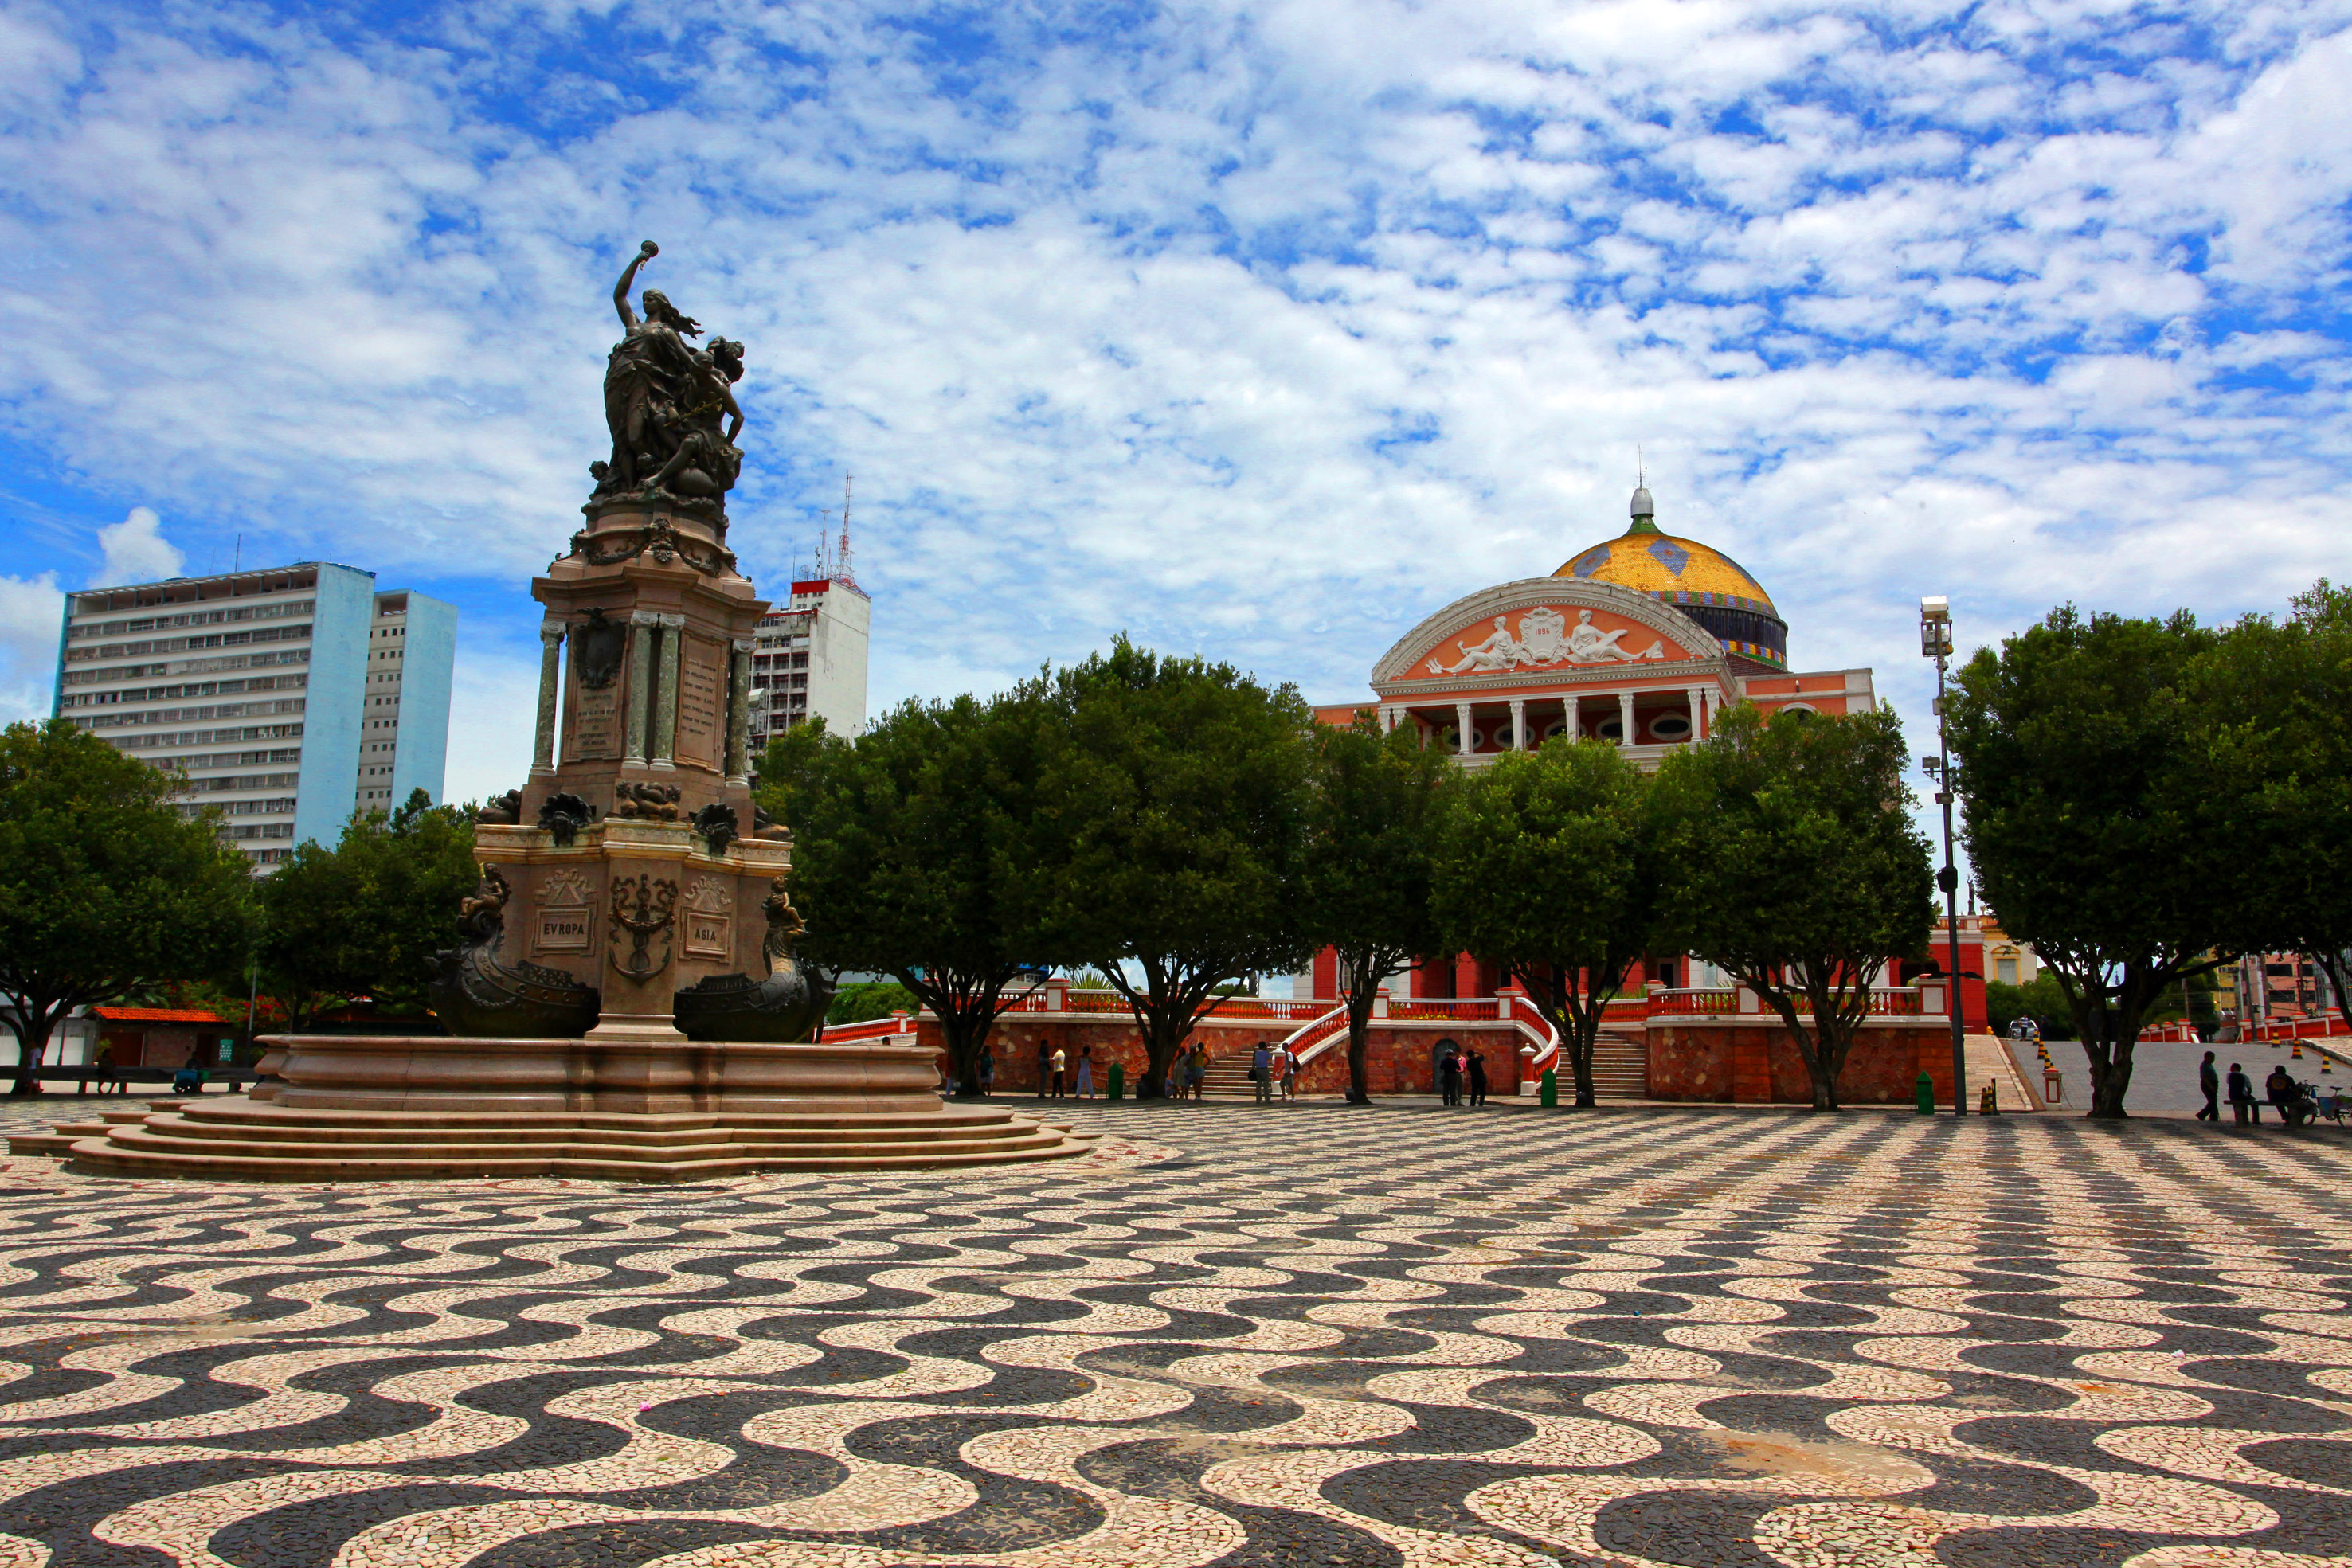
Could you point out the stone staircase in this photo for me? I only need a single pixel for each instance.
(1621, 1067)
(1228, 1078)
(1987, 1057)
(270, 1143)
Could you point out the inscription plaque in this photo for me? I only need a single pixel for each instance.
(710, 925)
(701, 699)
(591, 723)
(565, 921)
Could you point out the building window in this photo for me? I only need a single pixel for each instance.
(2006, 968)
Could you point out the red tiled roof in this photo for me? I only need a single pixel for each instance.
(158, 1015)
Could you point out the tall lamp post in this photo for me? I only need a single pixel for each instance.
(1936, 643)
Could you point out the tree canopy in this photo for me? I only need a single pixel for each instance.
(1376, 805)
(1550, 865)
(1171, 808)
(107, 886)
(915, 856)
(2105, 816)
(364, 918)
(2282, 689)
(1798, 869)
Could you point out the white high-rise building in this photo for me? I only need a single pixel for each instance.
(262, 689)
(809, 661)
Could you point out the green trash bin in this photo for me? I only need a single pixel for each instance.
(1115, 1082)
(1924, 1092)
(1549, 1093)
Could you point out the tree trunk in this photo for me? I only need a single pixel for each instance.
(2111, 1069)
(1164, 1029)
(1359, 1017)
(965, 1031)
(33, 1026)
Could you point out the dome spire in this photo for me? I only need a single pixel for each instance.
(1645, 511)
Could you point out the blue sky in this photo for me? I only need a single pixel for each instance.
(1262, 330)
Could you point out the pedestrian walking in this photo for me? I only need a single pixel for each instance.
(1477, 1076)
(1449, 1075)
(1196, 1070)
(2242, 1096)
(2209, 1083)
(1044, 1065)
(1289, 1073)
(1086, 1073)
(1061, 1060)
(987, 1073)
(1262, 1072)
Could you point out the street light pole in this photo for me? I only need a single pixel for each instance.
(1936, 641)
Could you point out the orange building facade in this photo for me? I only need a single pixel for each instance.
(1640, 640)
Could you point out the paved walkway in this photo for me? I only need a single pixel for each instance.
(1310, 1336)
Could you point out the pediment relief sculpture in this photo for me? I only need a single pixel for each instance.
(1544, 640)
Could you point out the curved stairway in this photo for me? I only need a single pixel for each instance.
(247, 1140)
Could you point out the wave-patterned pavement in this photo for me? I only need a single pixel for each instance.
(1230, 1336)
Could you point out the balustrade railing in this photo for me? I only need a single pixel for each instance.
(1448, 1008)
(867, 1029)
(1319, 1034)
(1884, 1002)
(1686, 1003)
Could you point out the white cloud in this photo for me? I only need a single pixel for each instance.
(1265, 328)
(136, 551)
(32, 618)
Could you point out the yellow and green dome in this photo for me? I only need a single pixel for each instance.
(1698, 580)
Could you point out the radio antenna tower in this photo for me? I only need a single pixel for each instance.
(841, 572)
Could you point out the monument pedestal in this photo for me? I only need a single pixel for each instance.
(626, 1001)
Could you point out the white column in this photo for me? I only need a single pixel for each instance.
(550, 653)
(642, 626)
(1714, 705)
(1697, 696)
(1518, 724)
(1626, 718)
(1575, 721)
(1388, 718)
(1462, 728)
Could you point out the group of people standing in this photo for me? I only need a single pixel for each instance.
(1053, 1073)
(1461, 1071)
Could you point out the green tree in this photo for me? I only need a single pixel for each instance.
(364, 918)
(914, 857)
(1550, 865)
(870, 999)
(2104, 816)
(2038, 999)
(1172, 806)
(1796, 867)
(2284, 689)
(796, 757)
(1376, 804)
(106, 886)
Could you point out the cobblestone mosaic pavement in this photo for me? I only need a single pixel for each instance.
(1297, 1335)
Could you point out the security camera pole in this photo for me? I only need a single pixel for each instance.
(1936, 643)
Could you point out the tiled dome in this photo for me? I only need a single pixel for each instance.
(1698, 580)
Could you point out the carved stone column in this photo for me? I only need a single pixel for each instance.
(738, 713)
(551, 668)
(1696, 697)
(643, 625)
(665, 703)
(1626, 718)
(1518, 724)
(1462, 729)
(1575, 720)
